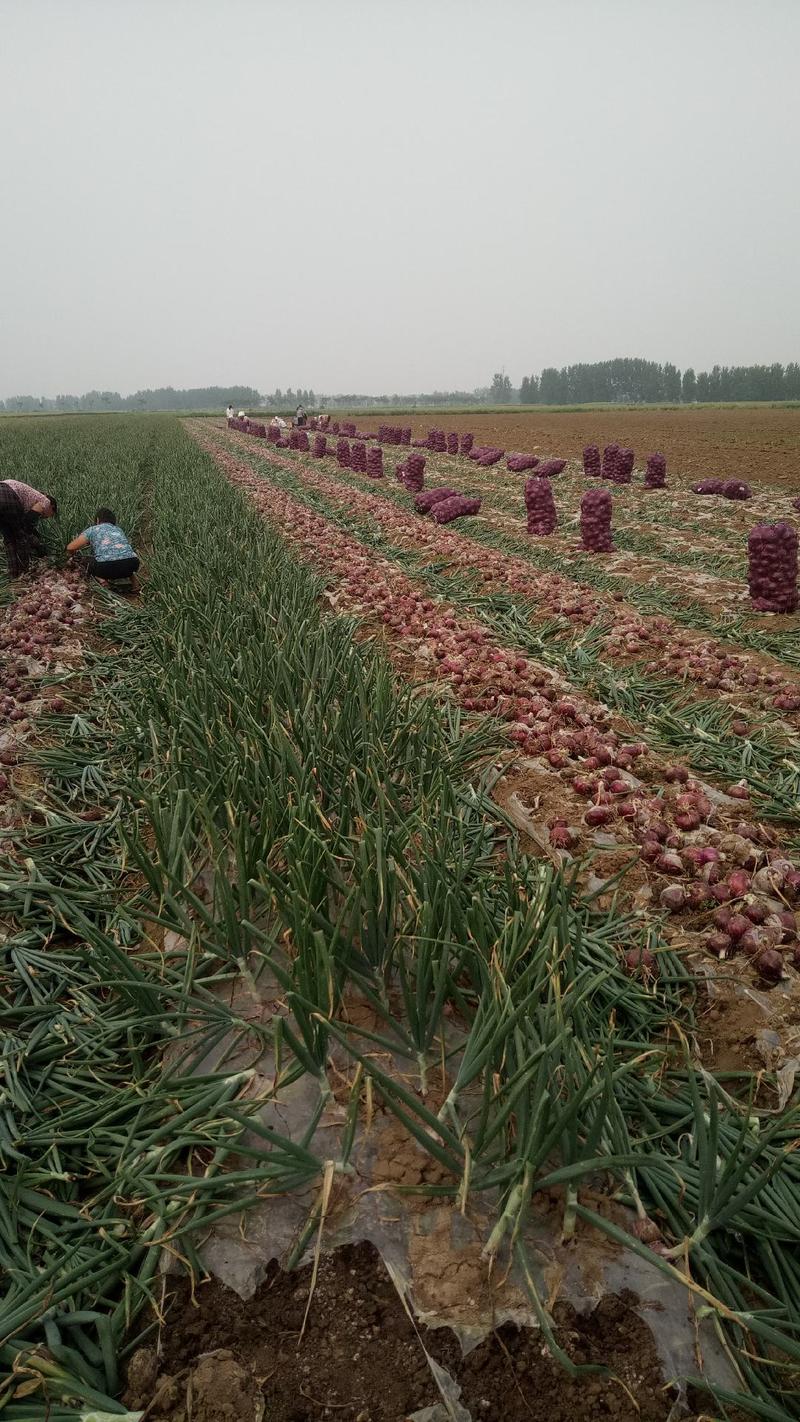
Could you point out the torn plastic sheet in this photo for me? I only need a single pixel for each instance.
(432, 1249)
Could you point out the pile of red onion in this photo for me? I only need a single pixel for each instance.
(437, 441)
(413, 473)
(623, 471)
(591, 461)
(467, 441)
(343, 453)
(541, 506)
(609, 468)
(320, 446)
(656, 473)
(375, 462)
(358, 457)
(519, 463)
(423, 503)
(452, 443)
(486, 455)
(728, 488)
(772, 567)
(447, 509)
(596, 521)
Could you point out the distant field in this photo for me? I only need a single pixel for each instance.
(759, 443)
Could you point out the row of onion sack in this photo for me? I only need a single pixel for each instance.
(771, 547)
(617, 464)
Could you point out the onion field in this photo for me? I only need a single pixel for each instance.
(400, 977)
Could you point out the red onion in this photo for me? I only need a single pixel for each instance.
(423, 503)
(719, 944)
(541, 506)
(672, 898)
(737, 925)
(772, 567)
(591, 461)
(669, 863)
(519, 463)
(641, 960)
(595, 519)
(598, 815)
(656, 475)
(769, 965)
(738, 883)
(459, 507)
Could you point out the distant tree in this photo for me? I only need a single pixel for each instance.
(500, 390)
(688, 386)
(672, 383)
(791, 381)
(703, 385)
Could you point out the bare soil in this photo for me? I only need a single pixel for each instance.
(360, 1358)
(760, 444)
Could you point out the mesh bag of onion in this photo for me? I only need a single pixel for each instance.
(358, 457)
(414, 473)
(467, 441)
(375, 462)
(447, 509)
(656, 473)
(550, 467)
(541, 506)
(343, 453)
(591, 461)
(623, 472)
(423, 503)
(320, 446)
(596, 521)
(772, 567)
(728, 488)
(609, 466)
(452, 443)
(518, 463)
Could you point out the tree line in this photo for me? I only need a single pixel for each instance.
(206, 397)
(635, 382)
(618, 382)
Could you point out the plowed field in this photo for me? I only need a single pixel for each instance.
(758, 443)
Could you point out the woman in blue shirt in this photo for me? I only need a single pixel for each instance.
(112, 556)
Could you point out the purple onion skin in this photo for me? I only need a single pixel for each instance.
(591, 461)
(595, 520)
(772, 567)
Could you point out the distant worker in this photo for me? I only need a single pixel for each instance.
(276, 420)
(300, 416)
(242, 415)
(21, 508)
(112, 557)
(229, 413)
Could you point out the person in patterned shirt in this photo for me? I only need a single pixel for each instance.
(111, 558)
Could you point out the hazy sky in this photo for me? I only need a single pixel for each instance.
(393, 195)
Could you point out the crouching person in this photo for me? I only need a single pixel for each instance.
(111, 558)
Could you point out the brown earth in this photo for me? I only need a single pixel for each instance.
(758, 443)
(360, 1358)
